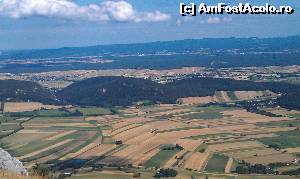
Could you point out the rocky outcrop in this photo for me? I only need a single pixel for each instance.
(7, 162)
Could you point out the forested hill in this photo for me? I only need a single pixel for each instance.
(122, 91)
(15, 90)
(111, 91)
(262, 44)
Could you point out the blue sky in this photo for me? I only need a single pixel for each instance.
(138, 21)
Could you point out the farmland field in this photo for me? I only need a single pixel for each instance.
(217, 163)
(284, 140)
(93, 111)
(160, 158)
(213, 139)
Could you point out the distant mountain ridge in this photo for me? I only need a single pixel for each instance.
(276, 43)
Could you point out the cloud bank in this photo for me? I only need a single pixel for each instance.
(120, 11)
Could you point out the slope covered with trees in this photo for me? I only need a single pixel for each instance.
(122, 91)
(15, 90)
(111, 91)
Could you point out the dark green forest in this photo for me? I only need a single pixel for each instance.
(16, 90)
(122, 91)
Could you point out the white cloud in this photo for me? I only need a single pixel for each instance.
(213, 20)
(66, 9)
(182, 20)
(227, 19)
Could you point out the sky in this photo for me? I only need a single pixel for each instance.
(38, 24)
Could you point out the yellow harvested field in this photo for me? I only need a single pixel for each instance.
(267, 159)
(293, 150)
(140, 149)
(125, 128)
(229, 165)
(62, 134)
(106, 132)
(248, 153)
(197, 100)
(197, 161)
(131, 155)
(26, 106)
(175, 135)
(45, 149)
(282, 111)
(248, 117)
(222, 147)
(35, 131)
(248, 95)
(82, 150)
(188, 144)
(260, 155)
(144, 131)
(45, 125)
(96, 151)
(106, 119)
(170, 112)
(126, 122)
(132, 133)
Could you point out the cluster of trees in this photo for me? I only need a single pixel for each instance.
(247, 168)
(172, 147)
(169, 172)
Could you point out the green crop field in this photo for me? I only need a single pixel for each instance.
(201, 148)
(295, 115)
(284, 140)
(93, 111)
(217, 163)
(206, 113)
(282, 123)
(210, 136)
(182, 128)
(160, 158)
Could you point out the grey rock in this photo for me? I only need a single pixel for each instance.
(7, 162)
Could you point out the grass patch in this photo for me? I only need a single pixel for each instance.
(93, 111)
(160, 158)
(208, 112)
(209, 136)
(217, 163)
(5, 118)
(282, 123)
(286, 139)
(45, 113)
(181, 129)
(201, 148)
(9, 126)
(294, 115)
(99, 175)
(205, 115)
